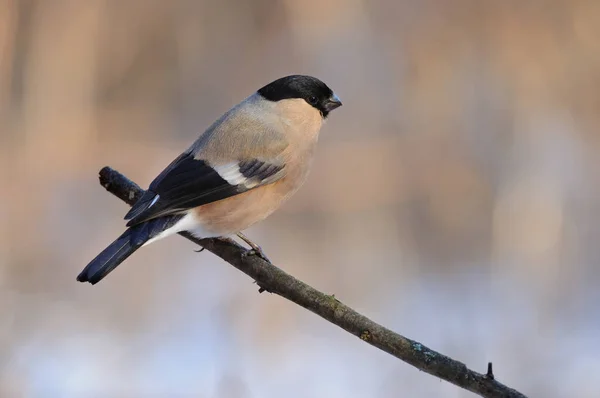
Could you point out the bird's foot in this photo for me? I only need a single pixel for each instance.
(255, 249)
(256, 252)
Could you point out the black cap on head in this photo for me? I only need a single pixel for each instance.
(308, 88)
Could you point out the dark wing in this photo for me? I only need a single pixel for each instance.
(188, 182)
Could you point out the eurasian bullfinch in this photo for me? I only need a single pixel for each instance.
(238, 172)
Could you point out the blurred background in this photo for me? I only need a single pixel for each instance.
(455, 196)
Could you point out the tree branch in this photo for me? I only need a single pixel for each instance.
(277, 281)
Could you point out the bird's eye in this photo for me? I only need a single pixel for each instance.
(312, 100)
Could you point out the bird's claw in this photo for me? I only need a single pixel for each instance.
(256, 252)
(255, 249)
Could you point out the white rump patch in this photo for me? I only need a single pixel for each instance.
(188, 223)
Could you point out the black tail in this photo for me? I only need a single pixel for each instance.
(125, 245)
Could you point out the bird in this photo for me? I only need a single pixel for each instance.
(240, 170)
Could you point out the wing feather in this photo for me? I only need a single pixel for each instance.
(188, 182)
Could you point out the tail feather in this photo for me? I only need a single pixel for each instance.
(124, 246)
(109, 259)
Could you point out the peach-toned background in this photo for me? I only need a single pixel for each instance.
(455, 196)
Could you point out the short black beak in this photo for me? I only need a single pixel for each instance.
(333, 103)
